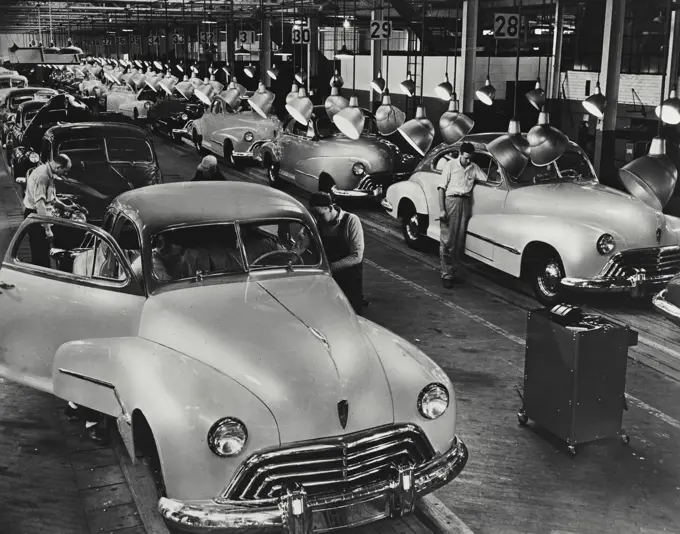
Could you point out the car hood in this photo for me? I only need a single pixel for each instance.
(294, 342)
(595, 205)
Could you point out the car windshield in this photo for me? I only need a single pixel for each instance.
(14, 101)
(5, 84)
(79, 150)
(128, 149)
(215, 249)
(147, 94)
(28, 115)
(572, 165)
(326, 127)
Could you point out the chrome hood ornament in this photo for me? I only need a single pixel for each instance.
(343, 412)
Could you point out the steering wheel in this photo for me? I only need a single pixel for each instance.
(275, 252)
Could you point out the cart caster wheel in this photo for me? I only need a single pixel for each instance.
(522, 417)
(625, 438)
(572, 450)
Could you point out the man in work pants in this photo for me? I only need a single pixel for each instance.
(455, 208)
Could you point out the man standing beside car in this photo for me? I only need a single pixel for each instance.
(342, 237)
(39, 198)
(455, 208)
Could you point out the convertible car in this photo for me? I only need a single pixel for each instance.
(204, 319)
(232, 134)
(556, 225)
(108, 159)
(319, 157)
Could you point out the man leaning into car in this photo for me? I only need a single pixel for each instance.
(455, 208)
(40, 198)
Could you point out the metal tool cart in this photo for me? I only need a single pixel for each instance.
(575, 375)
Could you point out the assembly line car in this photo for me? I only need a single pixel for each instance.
(203, 318)
(556, 225)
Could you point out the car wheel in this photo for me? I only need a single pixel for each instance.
(272, 170)
(546, 273)
(413, 228)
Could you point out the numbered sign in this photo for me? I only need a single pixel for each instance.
(506, 25)
(380, 29)
(302, 35)
(137, 39)
(178, 38)
(206, 37)
(246, 37)
(154, 39)
(121, 40)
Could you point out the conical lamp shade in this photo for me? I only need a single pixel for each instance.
(487, 94)
(651, 178)
(262, 101)
(168, 84)
(344, 53)
(444, 89)
(249, 71)
(595, 103)
(232, 97)
(334, 103)
(669, 112)
(350, 121)
(419, 132)
(408, 86)
(454, 125)
(337, 81)
(293, 93)
(51, 49)
(379, 83)
(536, 96)
(547, 142)
(273, 73)
(241, 51)
(511, 150)
(301, 77)
(388, 117)
(301, 108)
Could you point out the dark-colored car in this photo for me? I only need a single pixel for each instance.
(108, 159)
(18, 96)
(17, 124)
(172, 116)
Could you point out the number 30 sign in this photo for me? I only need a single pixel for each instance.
(380, 29)
(506, 25)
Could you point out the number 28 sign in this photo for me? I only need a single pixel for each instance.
(506, 25)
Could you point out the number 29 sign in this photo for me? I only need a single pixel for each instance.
(380, 29)
(506, 25)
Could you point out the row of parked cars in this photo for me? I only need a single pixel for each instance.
(202, 318)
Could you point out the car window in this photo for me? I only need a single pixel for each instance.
(295, 128)
(572, 165)
(217, 107)
(128, 149)
(83, 150)
(28, 116)
(18, 83)
(5, 84)
(440, 160)
(73, 251)
(279, 243)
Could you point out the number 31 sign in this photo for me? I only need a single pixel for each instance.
(506, 25)
(380, 29)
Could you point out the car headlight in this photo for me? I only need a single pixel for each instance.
(227, 437)
(358, 169)
(249, 136)
(184, 116)
(605, 244)
(78, 216)
(147, 105)
(433, 401)
(33, 157)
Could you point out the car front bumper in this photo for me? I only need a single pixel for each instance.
(665, 307)
(637, 285)
(371, 186)
(297, 513)
(184, 132)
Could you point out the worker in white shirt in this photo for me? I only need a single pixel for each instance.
(455, 208)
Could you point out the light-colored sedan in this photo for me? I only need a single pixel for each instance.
(232, 134)
(318, 157)
(204, 319)
(125, 100)
(556, 225)
(9, 82)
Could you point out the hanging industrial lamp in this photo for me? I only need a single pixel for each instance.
(262, 101)
(444, 89)
(344, 53)
(512, 149)
(335, 102)
(350, 120)
(378, 84)
(596, 102)
(388, 117)
(419, 131)
(301, 76)
(536, 96)
(547, 142)
(294, 90)
(669, 111)
(249, 71)
(273, 72)
(408, 86)
(336, 80)
(487, 93)
(301, 108)
(652, 178)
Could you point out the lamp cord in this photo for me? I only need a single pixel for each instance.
(422, 54)
(547, 61)
(519, 33)
(354, 45)
(455, 55)
(387, 70)
(665, 61)
(447, 54)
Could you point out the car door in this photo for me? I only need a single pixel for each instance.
(289, 152)
(210, 122)
(299, 147)
(488, 200)
(88, 292)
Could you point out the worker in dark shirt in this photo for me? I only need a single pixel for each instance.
(207, 171)
(343, 240)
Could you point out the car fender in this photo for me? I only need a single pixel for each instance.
(180, 398)
(405, 191)
(574, 241)
(408, 371)
(273, 148)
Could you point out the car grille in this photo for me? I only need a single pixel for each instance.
(656, 262)
(334, 465)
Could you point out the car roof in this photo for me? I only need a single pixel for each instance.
(31, 104)
(96, 129)
(29, 90)
(157, 207)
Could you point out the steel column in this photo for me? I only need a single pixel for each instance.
(265, 50)
(556, 51)
(469, 54)
(377, 46)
